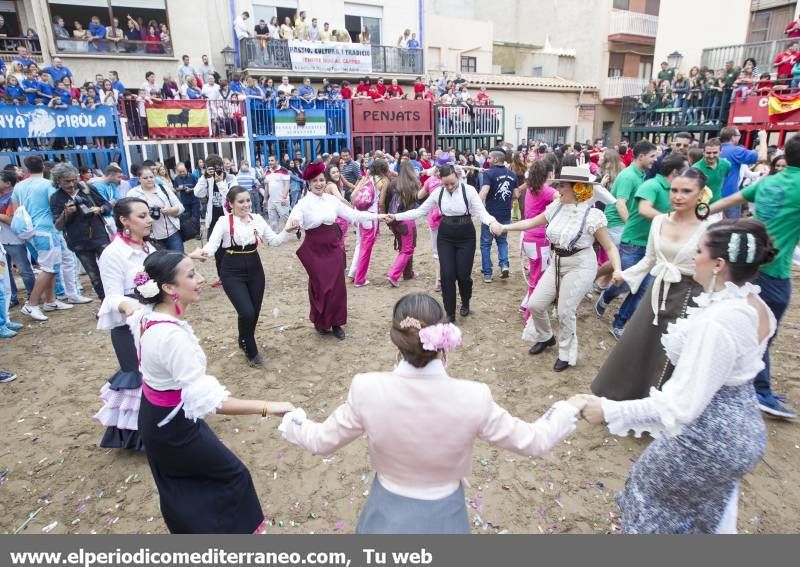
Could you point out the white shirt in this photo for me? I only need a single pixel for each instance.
(211, 92)
(277, 182)
(564, 227)
(313, 211)
(241, 28)
(452, 205)
(172, 359)
(7, 236)
(715, 346)
(119, 264)
(286, 89)
(245, 233)
(150, 90)
(204, 189)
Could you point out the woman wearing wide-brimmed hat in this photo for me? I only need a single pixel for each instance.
(573, 226)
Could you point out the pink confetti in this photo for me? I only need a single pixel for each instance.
(338, 526)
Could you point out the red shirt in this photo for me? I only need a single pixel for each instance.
(765, 85)
(785, 61)
(595, 154)
(380, 88)
(396, 91)
(482, 97)
(429, 95)
(419, 88)
(627, 157)
(793, 29)
(374, 94)
(362, 88)
(346, 93)
(425, 166)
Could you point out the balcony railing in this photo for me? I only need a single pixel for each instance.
(258, 53)
(114, 47)
(625, 22)
(619, 87)
(469, 120)
(9, 45)
(764, 52)
(264, 112)
(221, 119)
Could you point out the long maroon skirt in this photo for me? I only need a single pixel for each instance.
(323, 258)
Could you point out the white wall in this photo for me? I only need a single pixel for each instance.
(689, 26)
(454, 37)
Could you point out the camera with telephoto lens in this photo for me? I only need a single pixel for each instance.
(83, 206)
(155, 213)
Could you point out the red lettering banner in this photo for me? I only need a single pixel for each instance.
(392, 116)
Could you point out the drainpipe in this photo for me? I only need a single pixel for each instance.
(238, 60)
(421, 18)
(578, 113)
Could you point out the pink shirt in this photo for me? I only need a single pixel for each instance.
(535, 205)
(421, 425)
(435, 216)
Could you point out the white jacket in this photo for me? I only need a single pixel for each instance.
(202, 190)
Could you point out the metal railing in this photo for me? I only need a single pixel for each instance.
(463, 120)
(633, 23)
(262, 115)
(114, 47)
(226, 119)
(764, 52)
(262, 53)
(699, 109)
(620, 87)
(9, 45)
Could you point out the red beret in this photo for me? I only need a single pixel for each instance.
(313, 170)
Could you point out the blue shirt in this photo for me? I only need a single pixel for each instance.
(118, 86)
(26, 84)
(107, 190)
(738, 156)
(26, 61)
(98, 30)
(64, 95)
(253, 92)
(34, 194)
(46, 89)
(236, 87)
(305, 91)
(413, 44)
(502, 182)
(14, 91)
(58, 74)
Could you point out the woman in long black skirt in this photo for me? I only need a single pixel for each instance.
(241, 272)
(203, 487)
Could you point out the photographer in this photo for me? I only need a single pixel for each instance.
(165, 208)
(213, 187)
(78, 212)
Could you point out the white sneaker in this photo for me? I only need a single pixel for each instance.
(56, 306)
(33, 312)
(78, 299)
(61, 297)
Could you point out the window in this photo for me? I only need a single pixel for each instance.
(549, 135)
(652, 7)
(360, 16)
(276, 8)
(74, 37)
(469, 64)
(616, 64)
(759, 26)
(537, 72)
(11, 29)
(645, 67)
(622, 4)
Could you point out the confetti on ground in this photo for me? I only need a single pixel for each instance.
(49, 527)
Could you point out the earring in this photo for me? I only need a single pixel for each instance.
(714, 273)
(175, 301)
(126, 232)
(702, 211)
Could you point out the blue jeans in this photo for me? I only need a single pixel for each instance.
(630, 255)
(777, 294)
(173, 242)
(18, 254)
(486, 250)
(4, 295)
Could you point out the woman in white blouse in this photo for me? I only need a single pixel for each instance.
(421, 425)
(709, 429)
(456, 238)
(573, 226)
(321, 252)
(202, 486)
(638, 362)
(165, 208)
(119, 263)
(242, 274)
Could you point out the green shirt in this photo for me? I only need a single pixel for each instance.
(625, 186)
(667, 75)
(655, 190)
(716, 177)
(777, 199)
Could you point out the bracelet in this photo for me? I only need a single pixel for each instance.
(264, 411)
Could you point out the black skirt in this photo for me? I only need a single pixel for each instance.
(202, 486)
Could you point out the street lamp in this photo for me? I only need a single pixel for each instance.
(674, 59)
(229, 56)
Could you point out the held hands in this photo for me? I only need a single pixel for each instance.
(388, 219)
(294, 227)
(199, 254)
(279, 408)
(497, 228)
(617, 278)
(591, 407)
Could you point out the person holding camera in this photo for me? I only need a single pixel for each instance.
(78, 212)
(165, 208)
(213, 186)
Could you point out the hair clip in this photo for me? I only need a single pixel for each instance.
(751, 248)
(734, 245)
(410, 323)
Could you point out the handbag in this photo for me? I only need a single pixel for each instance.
(189, 226)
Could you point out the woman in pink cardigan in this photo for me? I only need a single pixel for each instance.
(421, 425)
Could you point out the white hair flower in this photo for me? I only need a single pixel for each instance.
(149, 289)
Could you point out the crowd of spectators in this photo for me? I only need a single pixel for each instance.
(136, 36)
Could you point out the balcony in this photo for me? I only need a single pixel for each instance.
(619, 87)
(633, 27)
(124, 47)
(331, 58)
(764, 52)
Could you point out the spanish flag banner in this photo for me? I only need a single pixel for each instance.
(178, 119)
(781, 105)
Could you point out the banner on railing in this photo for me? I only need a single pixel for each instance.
(178, 118)
(29, 121)
(397, 116)
(310, 123)
(780, 106)
(330, 57)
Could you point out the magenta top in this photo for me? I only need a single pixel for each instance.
(535, 205)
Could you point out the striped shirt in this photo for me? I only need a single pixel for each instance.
(247, 180)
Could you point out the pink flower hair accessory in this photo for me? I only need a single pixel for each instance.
(141, 278)
(444, 337)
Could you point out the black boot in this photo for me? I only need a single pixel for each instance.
(338, 332)
(539, 348)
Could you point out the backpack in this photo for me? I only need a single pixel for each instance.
(364, 196)
(21, 224)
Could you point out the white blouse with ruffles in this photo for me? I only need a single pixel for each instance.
(245, 232)
(716, 345)
(562, 228)
(313, 211)
(172, 359)
(666, 271)
(118, 264)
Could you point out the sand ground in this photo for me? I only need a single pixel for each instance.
(51, 465)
